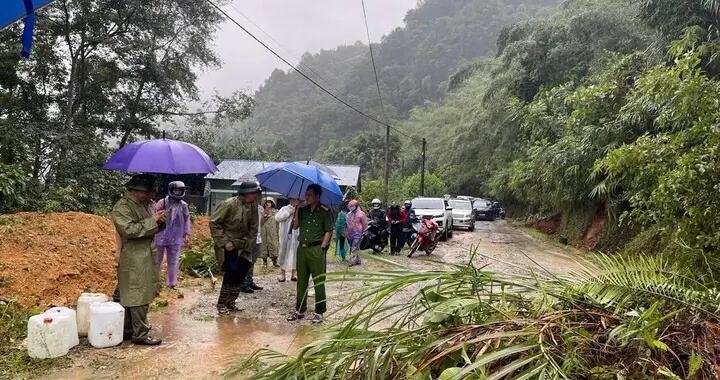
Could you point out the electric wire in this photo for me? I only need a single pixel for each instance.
(294, 67)
(372, 60)
(280, 45)
(307, 77)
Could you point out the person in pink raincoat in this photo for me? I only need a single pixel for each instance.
(356, 224)
(178, 228)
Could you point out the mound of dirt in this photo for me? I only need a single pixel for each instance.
(49, 259)
(548, 226)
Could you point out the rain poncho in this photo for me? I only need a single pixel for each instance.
(342, 245)
(137, 277)
(177, 224)
(357, 223)
(270, 237)
(288, 238)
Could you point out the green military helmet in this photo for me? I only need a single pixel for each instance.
(247, 187)
(141, 182)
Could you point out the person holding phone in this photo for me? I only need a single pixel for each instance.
(138, 281)
(315, 224)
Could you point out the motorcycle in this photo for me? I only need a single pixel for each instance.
(409, 234)
(375, 237)
(426, 238)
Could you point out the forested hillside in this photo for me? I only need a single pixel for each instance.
(414, 64)
(604, 112)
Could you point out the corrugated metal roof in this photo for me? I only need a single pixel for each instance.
(349, 175)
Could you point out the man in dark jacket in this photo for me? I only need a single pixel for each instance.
(397, 218)
(234, 228)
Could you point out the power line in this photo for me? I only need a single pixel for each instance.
(287, 50)
(386, 187)
(280, 57)
(372, 59)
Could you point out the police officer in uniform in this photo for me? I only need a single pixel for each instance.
(316, 226)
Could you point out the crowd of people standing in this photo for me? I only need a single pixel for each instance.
(295, 239)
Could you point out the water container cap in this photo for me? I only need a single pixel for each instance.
(47, 320)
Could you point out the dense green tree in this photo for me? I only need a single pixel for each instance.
(102, 71)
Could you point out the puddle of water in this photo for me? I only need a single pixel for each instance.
(193, 348)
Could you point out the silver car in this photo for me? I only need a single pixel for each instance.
(462, 210)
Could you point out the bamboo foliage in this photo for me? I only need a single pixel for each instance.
(614, 316)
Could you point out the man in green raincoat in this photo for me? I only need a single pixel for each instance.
(234, 228)
(137, 223)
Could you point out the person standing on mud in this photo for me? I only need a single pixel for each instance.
(249, 286)
(234, 226)
(316, 226)
(288, 237)
(356, 223)
(342, 245)
(178, 227)
(397, 218)
(269, 234)
(137, 276)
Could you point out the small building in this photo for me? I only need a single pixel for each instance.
(218, 185)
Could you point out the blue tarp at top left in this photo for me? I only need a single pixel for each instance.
(12, 11)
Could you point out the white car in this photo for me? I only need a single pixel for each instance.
(462, 211)
(440, 211)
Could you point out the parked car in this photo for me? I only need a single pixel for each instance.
(463, 215)
(484, 209)
(440, 211)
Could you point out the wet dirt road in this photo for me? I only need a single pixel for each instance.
(199, 344)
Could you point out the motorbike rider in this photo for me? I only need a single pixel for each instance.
(377, 213)
(407, 206)
(410, 218)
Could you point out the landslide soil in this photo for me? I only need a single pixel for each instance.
(48, 259)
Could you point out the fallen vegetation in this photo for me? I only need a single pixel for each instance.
(632, 317)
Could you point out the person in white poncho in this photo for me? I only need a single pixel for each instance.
(288, 241)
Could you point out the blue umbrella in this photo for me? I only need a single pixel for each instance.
(291, 179)
(15, 10)
(163, 156)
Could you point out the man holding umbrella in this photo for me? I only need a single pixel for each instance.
(234, 228)
(137, 277)
(316, 226)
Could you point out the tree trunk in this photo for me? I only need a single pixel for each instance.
(133, 115)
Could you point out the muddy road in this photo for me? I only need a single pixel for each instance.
(199, 344)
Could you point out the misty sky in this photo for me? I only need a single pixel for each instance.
(300, 26)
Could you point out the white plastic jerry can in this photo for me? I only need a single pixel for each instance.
(47, 336)
(107, 320)
(71, 332)
(83, 310)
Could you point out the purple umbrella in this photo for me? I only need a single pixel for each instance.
(161, 156)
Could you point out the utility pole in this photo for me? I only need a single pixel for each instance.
(387, 164)
(422, 171)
